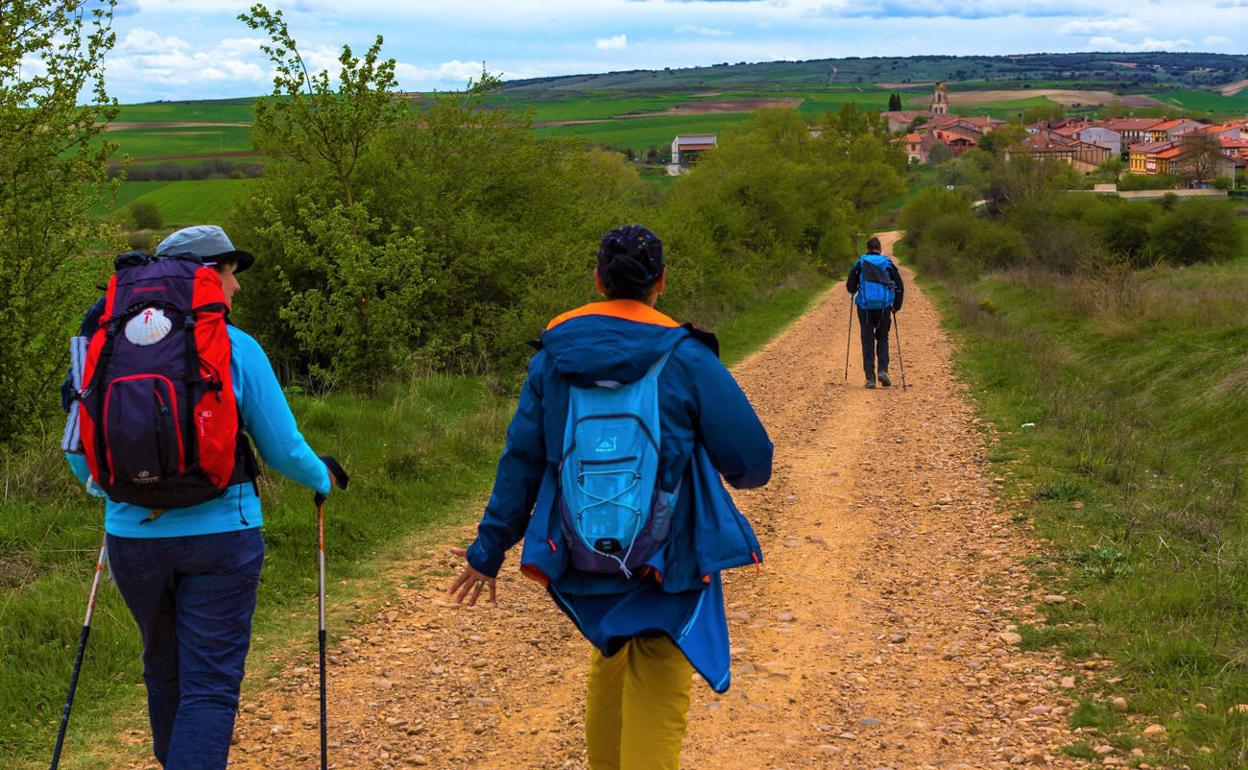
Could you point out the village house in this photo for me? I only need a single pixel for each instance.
(687, 147)
(901, 120)
(1152, 158)
(1133, 130)
(1102, 136)
(1169, 130)
(1051, 145)
(1225, 131)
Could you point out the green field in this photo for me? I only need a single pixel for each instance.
(1207, 102)
(206, 201)
(640, 133)
(212, 111)
(158, 141)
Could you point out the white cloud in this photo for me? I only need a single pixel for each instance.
(147, 57)
(1216, 40)
(614, 43)
(690, 29)
(454, 74)
(1110, 43)
(1099, 26)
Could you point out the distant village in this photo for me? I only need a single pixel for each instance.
(1200, 152)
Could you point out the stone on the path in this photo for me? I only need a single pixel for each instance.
(897, 638)
(1120, 705)
(1054, 599)
(1010, 637)
(1155, 732)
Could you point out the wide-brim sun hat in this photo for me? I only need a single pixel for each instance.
(208, 243)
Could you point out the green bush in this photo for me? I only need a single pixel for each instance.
(1197, 231)
(1125, 228)
(145, 215)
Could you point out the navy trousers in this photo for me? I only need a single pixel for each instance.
(875, 325)
(193, 599)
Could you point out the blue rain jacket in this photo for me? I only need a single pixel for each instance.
(708, 429)
(267, 419)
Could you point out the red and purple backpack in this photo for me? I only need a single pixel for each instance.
(160, 423)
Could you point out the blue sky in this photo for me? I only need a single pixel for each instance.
(177, 49)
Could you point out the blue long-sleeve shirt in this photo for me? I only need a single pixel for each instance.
(267, 419)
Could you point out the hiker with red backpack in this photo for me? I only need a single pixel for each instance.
(170, 392)
(612, 475)
(876, 286)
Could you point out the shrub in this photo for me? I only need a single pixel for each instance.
(145, 215)
(1125, 230)
(1197, 231)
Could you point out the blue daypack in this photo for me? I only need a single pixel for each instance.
(876, 289)
(613, 513)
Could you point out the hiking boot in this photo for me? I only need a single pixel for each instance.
(870, 385)
(884, 381)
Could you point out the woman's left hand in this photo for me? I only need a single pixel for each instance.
(470, 582)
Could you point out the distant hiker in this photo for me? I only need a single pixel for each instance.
(170, 389)
(611, 474)
(878, 291)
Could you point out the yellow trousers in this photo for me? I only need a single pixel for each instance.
(637, 706)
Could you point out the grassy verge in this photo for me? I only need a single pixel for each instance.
(418, 457)
(1123, 416)
(184, 202)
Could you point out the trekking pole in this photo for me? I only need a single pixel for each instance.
(320, 633)
(900, 358)
(849, 335)
(82, 648)
(339, 476)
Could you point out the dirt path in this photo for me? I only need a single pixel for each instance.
(877, 635)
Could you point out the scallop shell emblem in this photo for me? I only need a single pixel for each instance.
(148, 327)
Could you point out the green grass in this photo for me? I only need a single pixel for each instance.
(127, 192)
(156, 141)
(1207, 102)
(416, 457)
(1136, 475)
(640, 133)
(420, 457)
(188, 202)
(208, 111)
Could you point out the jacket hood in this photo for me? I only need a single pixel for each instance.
(616, 340)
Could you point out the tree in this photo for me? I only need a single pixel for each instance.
(53, 172)
(894, 102)
(1201, 158)
(146, 215)
(308, 120)
(356, 312)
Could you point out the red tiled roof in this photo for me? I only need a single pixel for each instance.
(1152, 148)
(1128, 124)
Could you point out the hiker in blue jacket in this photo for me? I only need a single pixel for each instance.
(189, 576)
(876, 285)
(653, 625)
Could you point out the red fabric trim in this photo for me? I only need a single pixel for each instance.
(533, 573)
(86, 425)
(216, 412)
(627, 309)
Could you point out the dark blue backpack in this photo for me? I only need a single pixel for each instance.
(876, 290)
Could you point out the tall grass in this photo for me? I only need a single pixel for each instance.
(1138, 390)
